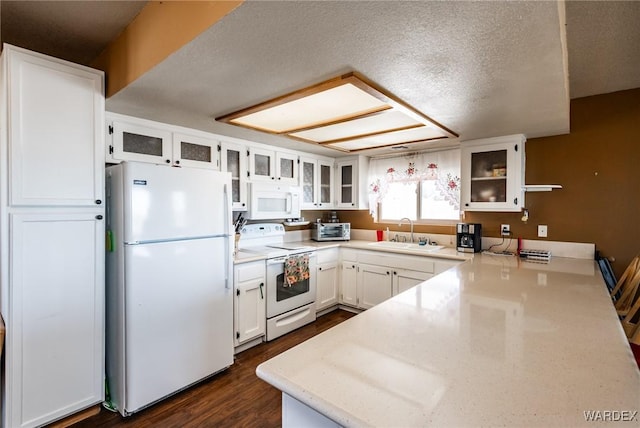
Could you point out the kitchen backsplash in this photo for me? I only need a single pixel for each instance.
(576, 250)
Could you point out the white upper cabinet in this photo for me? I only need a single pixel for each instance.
(233, 159)
(316, 180)
(136, 142)
(195, 152)
(287, 168)
(493, 174)
(145, 141)
(56, 131)
(272, 166)
(351, 182)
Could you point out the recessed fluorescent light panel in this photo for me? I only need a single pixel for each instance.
(346, 113)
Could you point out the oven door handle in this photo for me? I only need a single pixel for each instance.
(281, 260)
(278, 261)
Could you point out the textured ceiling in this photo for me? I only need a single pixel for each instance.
(604, 46)
(480, 68)
(73, 30)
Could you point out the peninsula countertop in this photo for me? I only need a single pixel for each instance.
(492, 341)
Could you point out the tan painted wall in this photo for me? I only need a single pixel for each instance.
(161, 28)
(598, 165)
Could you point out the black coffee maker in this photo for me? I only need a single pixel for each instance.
(469, 237)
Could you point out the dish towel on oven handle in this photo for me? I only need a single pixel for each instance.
(296, 269)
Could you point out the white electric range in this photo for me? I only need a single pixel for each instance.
(288, 306)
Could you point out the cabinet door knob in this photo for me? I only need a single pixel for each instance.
(98, 201)
(273, 178)
(319, 268)
(168, 161)
(279, 178)
(466, 205)
(178, 162)
(99, 217)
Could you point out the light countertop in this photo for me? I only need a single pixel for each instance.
(493, 341)
(416, 250)
(409, 249)
(245, 257)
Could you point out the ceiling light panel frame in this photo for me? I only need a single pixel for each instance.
(337, 111)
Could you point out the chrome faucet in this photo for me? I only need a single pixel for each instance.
(410, 223)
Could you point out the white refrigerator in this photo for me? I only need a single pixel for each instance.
(169, 280)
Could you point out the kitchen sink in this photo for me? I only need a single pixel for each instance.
(406, 246)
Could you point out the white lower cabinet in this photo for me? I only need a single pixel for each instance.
(327, 278)
(404, 279)
(55, 349)
(368, 278)
(249, 304)
(375, 285)
(348, 283)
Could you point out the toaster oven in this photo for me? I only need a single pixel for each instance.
(330, 231)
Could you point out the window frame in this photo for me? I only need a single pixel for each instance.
(419, 220)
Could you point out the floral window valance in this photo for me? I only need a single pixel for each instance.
(442, 168)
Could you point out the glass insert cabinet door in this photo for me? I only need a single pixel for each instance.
(493, 174)
(195, 151)
(233, 159)
(140, 143)
(316, 180)
(261, 164)
(308, 182)
(325, 194)
(489, 176)
(287, 168)
(346, 185)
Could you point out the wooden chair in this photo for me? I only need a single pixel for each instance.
(631, 323)
(624, 294)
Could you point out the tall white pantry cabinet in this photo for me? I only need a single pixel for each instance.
(51, 237)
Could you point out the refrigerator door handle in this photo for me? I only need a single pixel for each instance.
(230, 250)
(227, 219)
(229, 260)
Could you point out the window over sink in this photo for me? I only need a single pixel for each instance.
(424, 187)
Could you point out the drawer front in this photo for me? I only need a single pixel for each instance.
(349, 254)
(418, 263)
(328, 255)
(249, 271)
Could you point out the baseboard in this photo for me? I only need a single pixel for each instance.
(77, 417)
(247, 345)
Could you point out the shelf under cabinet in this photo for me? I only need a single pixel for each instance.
(487, 178)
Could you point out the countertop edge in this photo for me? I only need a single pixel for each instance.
(315, 402)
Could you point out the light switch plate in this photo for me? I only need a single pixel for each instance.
(542, 231)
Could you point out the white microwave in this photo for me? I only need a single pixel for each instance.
(273, 201)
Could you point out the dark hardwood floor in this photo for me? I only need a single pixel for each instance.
(236, 397)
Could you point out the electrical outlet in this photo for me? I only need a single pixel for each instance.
(505, 230)
(542, 231)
